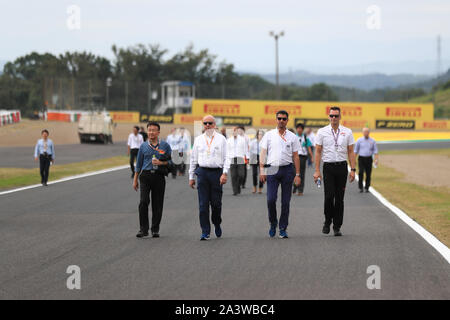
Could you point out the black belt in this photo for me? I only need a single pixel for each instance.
(211, 169)
(152, 171)
(340, 163)
(302, 155)
(365, 156)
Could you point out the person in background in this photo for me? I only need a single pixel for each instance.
(134, 143)
(174, 139)
(151, 168)
(303, 153)
(237, 152)
(366, 149)
(241, 132)
(45, 152)
(210, 163)
(312, 137)
(143, 134)
(254, 160)
(184, 147)
(223, 131)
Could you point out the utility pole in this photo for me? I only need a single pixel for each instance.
(277, 76)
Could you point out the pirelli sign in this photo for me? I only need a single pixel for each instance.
(160, 118)
(237, 121)
(395, 124)
(313, 123)
(404, 112)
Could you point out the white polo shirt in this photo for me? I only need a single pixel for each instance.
(209, 152)
(342, 139)
(135, 141)
(279, 149)
(237, 147)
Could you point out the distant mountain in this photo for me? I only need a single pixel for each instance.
(365, 81)
(424, 67)
(429, 84)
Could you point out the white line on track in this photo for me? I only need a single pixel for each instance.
(431, 239)
(79, 176)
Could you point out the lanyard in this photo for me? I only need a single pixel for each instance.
(335, 137)
(154, 148)
(282, 135)
(210, 143)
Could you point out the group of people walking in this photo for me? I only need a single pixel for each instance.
(277, 157)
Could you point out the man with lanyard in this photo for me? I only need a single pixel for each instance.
(45, 150)
(280, 148)
(365, 148)
(134, 142)
(210, 154)
(237, 151)
(152, 157)
(305, 150)
(334, 144)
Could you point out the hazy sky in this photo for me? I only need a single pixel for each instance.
(318, 33)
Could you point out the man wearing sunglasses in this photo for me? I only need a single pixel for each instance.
(334, 145)
(280, 148)
(210, 154)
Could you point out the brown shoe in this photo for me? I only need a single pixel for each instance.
(299, 194)
(260, 190)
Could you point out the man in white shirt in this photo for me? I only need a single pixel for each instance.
(184, 148)
(279, 149)
(237, 151)
(210, 154)
(173, 139)
(241, 132)
(134, 143)
(334, 145)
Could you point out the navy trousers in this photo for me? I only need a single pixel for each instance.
(284, 176)
(209, 194)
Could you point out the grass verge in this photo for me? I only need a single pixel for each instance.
(428, 206)
(17, 177)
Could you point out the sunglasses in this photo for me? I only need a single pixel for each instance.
(334, 115)
(282, 119)
(206, 123)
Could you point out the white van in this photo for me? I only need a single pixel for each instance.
(95, 127)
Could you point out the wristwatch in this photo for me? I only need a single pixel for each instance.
(353, 169)
(297, 174)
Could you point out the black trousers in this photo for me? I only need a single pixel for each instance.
(300, 188)
(364, 165)
(244, 179)
(237, 171)
(334, 182)
(133, 156)
(44, 166)
(155, 184)
(255, 173)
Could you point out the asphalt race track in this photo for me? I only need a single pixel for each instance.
(91, 222)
